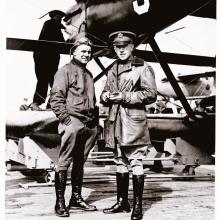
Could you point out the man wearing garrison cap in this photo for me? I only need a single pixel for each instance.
(129, 87)
(73, 101)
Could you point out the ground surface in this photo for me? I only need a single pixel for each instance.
(163, 199)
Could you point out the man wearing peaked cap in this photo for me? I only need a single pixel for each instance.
(122, 37)
(130, 85)
(73, 101)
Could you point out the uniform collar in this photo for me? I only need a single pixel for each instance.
(133, 60)
(137, 61)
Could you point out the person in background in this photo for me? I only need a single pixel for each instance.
(73, 101)
(129, 87)
(47, 60)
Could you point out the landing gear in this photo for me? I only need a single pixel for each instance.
(49, 176)
(188, 173)
(41, 176)
(189, 170)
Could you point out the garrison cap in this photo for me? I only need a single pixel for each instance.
(122, 37)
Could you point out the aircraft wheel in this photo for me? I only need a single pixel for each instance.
(49, 176)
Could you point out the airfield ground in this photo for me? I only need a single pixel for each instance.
(163, 199)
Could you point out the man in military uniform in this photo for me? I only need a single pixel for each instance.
(73, 101)
(129, 87)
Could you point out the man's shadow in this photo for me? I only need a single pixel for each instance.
(102, 190)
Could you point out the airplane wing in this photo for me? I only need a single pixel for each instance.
(174, 58)
(43, 126)
(194, 76)
(64, 48)
(25, 123)
(35, 45)
(209, 11)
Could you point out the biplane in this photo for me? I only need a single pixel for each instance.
(187, 131)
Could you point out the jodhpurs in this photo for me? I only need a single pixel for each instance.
(76, 142)
(130, 155)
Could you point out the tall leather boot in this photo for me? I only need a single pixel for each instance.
(138, 186)
(76, 200)
(122, 204)
(60, 186)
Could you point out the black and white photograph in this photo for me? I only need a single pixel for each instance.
(109, 110)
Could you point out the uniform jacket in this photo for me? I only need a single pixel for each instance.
(73, 93)
(137, 83)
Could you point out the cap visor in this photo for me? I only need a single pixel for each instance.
(121, 43)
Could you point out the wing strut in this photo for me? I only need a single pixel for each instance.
(158, 54)
(97, 60)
